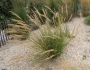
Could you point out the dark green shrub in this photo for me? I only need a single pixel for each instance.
(5, 7)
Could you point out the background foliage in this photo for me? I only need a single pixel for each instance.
(5, 7)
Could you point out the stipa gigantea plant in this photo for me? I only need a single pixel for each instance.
(50, 40)
(19, 30)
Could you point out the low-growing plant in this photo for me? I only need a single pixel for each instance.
(50, 40)
(87, 20)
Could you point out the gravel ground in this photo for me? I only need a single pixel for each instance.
(76, 55)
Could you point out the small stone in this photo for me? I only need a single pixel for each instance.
(4, 69)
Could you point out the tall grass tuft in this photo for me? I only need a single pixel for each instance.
(50, 40)
(18, 30)
(20, 9)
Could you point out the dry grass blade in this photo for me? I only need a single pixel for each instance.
(14, 41)
(62, 10)
(48, 36)
(20, 22)
(75, 28)
(70, 17)
(45, 15)
(50, 10)
(51, 50)
(66, 10)
(17, 20)
(33, 20)
(19, 26)
(16, 36)
(49, 57)
(40, 15)
(56, 36)
(46, 18)
(10, 31)
(15, 14)
(18, 57)
(36, 10)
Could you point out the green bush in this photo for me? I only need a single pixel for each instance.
(87, 20)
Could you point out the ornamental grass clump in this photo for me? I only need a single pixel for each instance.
(51, 40)
(87, 20)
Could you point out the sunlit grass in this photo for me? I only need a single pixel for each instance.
(50, 40)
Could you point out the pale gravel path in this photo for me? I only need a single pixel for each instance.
(79, 47)
(14, 57)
